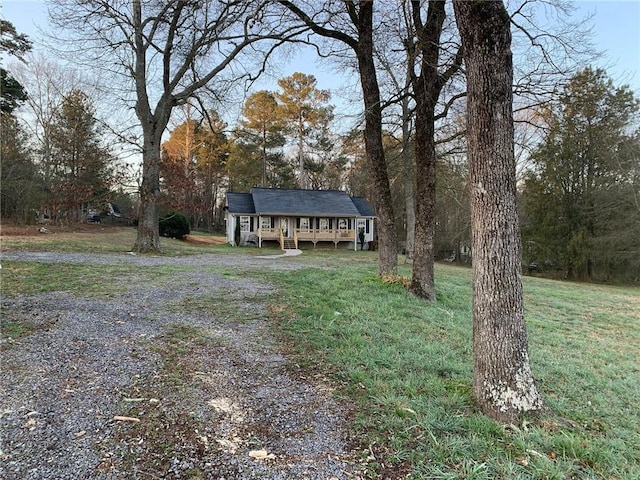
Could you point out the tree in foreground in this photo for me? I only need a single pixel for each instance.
(165, 53)
(503, 383)
(427, 85)
(356, 17)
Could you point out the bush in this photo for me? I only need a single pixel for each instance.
(174, 225)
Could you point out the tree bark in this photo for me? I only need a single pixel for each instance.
(409, 169)
(148, 237)
(503, 383)
(388, 243)
(427, 88)
(361, 17)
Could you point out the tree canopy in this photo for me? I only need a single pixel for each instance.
(12, 93)
(582, 208)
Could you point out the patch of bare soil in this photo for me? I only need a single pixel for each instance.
(205, 240)
(70, 230)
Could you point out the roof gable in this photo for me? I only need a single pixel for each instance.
(240, 203)
(364, 207)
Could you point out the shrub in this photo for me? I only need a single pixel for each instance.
(174, 225)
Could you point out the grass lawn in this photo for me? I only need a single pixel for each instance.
(406, 365)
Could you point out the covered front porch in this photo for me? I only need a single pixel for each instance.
(290, 231)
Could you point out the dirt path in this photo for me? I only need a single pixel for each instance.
(203, 387)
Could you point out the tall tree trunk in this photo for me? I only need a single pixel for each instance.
(503, 384)
(264, 158)
(426, 89)
(303, 175)
(422, 280)
(409, 169)
(377, 167)
(148, 238)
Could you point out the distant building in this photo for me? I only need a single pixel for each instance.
(293, 218)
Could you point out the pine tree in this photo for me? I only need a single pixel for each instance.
(263, 127)
(306, 111)
(81, 165)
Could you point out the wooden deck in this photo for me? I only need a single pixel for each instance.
(314, 235)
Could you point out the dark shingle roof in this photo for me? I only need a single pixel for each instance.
(364, 207)
(274, 201)
(310, 203)
(240, 203)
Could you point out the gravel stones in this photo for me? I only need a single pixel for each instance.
(91, 359)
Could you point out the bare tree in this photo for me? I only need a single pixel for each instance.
(427, 85)
(166, 53)
(503, 383)
(48, 83)
(392, 55)
(351, 24)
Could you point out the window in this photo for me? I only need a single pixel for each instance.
(324, 224)
(342, 224)
(265, 223)
(304, 224)
(245, 224)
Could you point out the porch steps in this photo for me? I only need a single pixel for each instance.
(289, 244)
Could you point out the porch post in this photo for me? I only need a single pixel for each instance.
(259, 231)
(355, 234)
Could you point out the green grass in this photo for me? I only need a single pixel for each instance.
(83, 279)
(406, 365)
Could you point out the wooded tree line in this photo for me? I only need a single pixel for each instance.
(430, 76)
(69, 170)
(579, 196)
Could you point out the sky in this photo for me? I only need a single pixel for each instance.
(616, 27)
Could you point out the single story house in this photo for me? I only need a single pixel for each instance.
(292, 217)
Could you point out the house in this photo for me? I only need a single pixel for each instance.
(293, 218)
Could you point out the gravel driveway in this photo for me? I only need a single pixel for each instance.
(140, 385)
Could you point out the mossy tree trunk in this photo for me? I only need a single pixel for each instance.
(503, 383)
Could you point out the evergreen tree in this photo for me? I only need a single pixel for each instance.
(307, 114)
(82, 166)
(582, 215)
(262, 127)
(12, 93)
(21, 183)
(244, 167)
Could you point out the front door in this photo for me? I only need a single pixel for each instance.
(284, 225)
